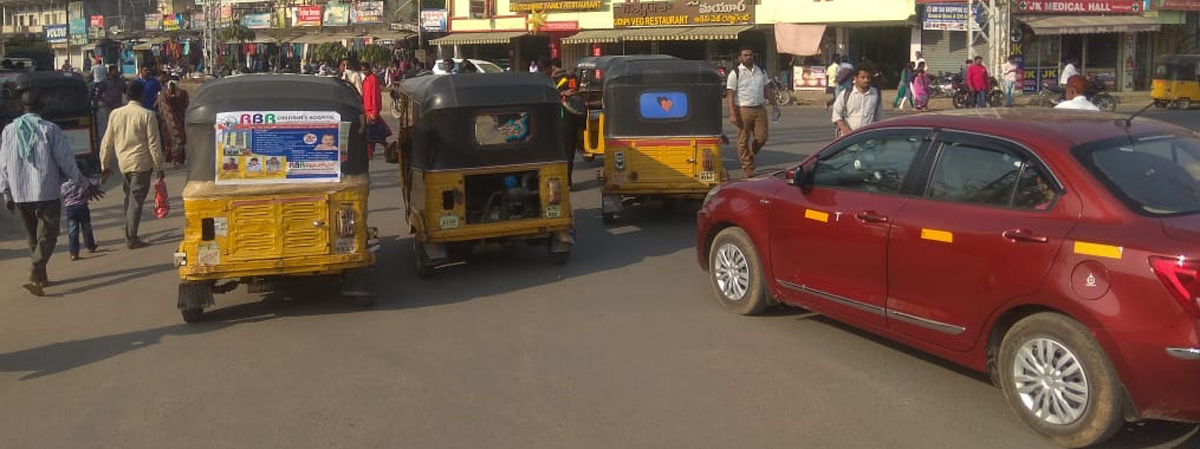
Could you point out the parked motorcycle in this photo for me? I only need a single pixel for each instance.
(1096, 92)
(783, 95)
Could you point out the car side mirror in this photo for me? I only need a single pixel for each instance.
(802, 176)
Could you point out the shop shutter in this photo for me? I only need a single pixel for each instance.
(945, 51)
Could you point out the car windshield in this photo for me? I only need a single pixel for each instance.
(1153, 175)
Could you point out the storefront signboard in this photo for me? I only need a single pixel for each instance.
(367, 12)
(336, 14)
(171, 22)
(947, 16)
(257, 21)
(308, 16)
(544, 5)
(262, 147)
(78, 30)
(199, 21)
(56, 34)
(1179, 5)
(682, 13)
(153, 21)
(808, 78)
(1080, 6)
(433, 20)
(566, 25)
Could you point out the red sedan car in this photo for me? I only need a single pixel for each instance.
(1058, 251)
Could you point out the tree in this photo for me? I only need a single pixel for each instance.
(235, 32)
(376, 55)
(329, 52)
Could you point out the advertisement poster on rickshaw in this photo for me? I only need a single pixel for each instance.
(263, 147)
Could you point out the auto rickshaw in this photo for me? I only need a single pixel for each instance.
(486, 162)
(664, 135)
(277, 189)
(1176, 81)
(591, 75)
(67, 105)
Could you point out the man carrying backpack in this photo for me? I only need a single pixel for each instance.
(748, 93)
(843, 80)
(859, 106)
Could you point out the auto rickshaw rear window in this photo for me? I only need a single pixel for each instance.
(658, 105)
(502, 128)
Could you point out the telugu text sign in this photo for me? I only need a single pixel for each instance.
(682, 13)
(1080, 6)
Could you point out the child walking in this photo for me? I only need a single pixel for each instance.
(79, 216)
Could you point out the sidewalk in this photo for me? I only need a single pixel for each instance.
(818, 98)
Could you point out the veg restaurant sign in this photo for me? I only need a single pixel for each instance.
(544, 5)
(1080, 6)
(682, 13)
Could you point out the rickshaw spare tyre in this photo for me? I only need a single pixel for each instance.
(575, 106)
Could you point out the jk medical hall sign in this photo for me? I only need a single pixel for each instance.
(1080, 6)
(683, 13)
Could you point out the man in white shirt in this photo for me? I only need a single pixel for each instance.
(748, 93)
(1076, 85)
(920, 58)
(1010, 72)
(859, 106)
(1068, 71)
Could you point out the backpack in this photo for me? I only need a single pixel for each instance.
(843, 75)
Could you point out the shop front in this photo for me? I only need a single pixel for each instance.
(517, 32)
(1112, 49)
(702, 30)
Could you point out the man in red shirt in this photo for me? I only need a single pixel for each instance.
(977, 81)
(372, 95)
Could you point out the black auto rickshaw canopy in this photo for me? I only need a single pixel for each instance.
(662, 97)
(65, 95)
(271, 92)
(1177, 68)
(591, 70)
(455, 118)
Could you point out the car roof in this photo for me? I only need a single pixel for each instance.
(1047, 128)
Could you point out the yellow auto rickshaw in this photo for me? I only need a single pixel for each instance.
(663, 134)
(1176, 81)
(486, 162)
(591, 75)
(277, 189)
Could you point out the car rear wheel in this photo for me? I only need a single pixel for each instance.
(1059, 381)
(736, 273)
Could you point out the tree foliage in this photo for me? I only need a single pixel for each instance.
(376, 55)
(235, 33)
(329, 52)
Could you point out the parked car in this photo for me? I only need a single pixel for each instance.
(1057, 251)
(484, 66)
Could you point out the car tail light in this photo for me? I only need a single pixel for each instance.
(706, 160)
(1182, 279)
(345, 224)
(598, 74)
(553, 191)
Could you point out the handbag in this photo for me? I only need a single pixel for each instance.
(162, 204)
(378, 131)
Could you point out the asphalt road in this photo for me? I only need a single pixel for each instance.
(625, 347)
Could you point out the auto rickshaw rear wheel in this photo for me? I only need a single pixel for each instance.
(589, 157)
(608, 218)
(424, 269)
(560, 258)
(1183, 103)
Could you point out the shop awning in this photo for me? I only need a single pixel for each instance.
(595, 36)
(1054, 25)
(700, 33)
(322, 38)
(799, 40)
(149, 43)
(478, 38)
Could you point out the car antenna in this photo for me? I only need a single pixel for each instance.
(1129, 121)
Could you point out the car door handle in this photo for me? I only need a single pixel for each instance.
(871, 217)
(1024, 235)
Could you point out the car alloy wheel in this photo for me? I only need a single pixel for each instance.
(1050, 381)
(732, 272)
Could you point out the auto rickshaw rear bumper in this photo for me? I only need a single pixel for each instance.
(293, 266)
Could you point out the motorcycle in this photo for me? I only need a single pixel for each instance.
(965, 98)
(1096, 92)
(783, 96)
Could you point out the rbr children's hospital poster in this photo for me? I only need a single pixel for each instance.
(280, 146)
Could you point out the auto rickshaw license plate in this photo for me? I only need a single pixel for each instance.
(553, 211)
(708, 176)
(448, 222)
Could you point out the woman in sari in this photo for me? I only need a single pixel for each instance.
(903, 90)
(172, 107)
(920, 88)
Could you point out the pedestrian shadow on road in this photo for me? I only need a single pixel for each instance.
(107, 279)
(55, 358)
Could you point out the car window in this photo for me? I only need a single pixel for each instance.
(487, 67)
(873, 165)
(1153, 175)
(987, 176)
